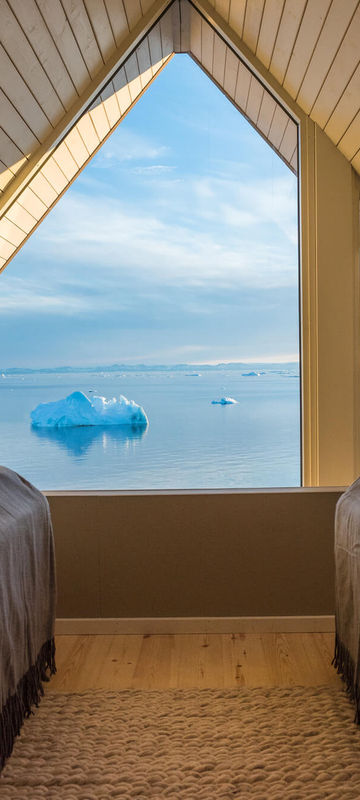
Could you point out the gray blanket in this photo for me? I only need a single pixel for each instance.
(347, 591)
(27, 602)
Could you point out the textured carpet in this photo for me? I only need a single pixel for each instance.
(251, 744)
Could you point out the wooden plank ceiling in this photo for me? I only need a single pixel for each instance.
(72, 69)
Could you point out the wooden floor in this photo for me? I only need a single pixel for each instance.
(185, 661)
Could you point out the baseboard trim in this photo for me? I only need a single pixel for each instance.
(168, 625)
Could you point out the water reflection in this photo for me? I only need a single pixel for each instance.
(77, 440)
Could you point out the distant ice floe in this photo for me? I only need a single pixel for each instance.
(225, 401)
(78, 410)
(252, 374)
(193, 374)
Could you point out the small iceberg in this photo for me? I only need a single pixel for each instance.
(193, 374)
(78, 410)
(252, 374)
(224, 401)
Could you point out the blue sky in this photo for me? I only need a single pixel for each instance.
(177, 243)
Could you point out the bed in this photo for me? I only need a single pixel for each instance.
(27, 603)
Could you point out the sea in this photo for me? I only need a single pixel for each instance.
(189, 443)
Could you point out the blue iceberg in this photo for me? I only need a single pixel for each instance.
(78, 410)
(225, 401)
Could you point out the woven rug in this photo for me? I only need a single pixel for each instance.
(250, 744)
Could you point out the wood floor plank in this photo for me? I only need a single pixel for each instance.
(193, 660)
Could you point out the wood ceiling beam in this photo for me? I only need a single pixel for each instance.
(69, 119)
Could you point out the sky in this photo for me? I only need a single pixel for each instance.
(177, 243)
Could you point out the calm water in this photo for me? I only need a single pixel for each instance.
(188, 444)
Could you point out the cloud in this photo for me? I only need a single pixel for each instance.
(128, 146)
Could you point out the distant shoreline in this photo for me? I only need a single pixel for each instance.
(234, 365)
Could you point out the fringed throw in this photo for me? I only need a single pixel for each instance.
(344, 664)
(28, 693)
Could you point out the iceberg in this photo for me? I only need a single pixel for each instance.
(251, 374)
(78, 410)
(225, 401)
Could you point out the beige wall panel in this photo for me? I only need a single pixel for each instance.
(25, 61)
(6, 175)
(87, 131)
(82, 30)
(349, 143)
(132, 76)
(294, 160)
(118, 20)
(311, 25)
(65, 41)
(65, 161)
(122, 91)
(2, 262)
(184, 9)
(133, 12)
(21, 98)
(14, 125)
(345, 110)
(10, 154)
(11, 232)
(32, 203)
(54, 175)
(207, 46)
(252, 21)
(237, 16)
(223, 8)
(266, 113)
(231, 72)
(254, 100)
(154, 39)
(43, 190)
(241, 554)
(76, 146)
(17, 214)
(146, 5)
(100, 22)
(288, 28)
(332, 32)
(195, 34)
(167, 39)
(100, 120)
(341, 71)
(289, 141)
(242, 86)
(218, 70)
(336, 313)
(268, 31)
(111, 105)
(356, 162)
(6, 249)
(39, 37)
(278, 125)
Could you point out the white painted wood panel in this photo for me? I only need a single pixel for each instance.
(154, 39)
(237, 15)
(278, 125)
(76, 146)
(144, 62)
(41, 187)
(340, 73)
(266, 113)
(207, 46)
(111, 104)
(219, 60)
(100, 120)
(87, 131)
(101, 26)
(132, 76)
(82, 30)
(166, 33)
(39, 37)
(65, 41)
(294, 161)
(223, 8)
(2, 262)
(6, 249)
(6, 175)
(356, 162)
(20, 96)
(333, 30)
(345, 110)
(288, 29)
(231, 72)
(252, 22)
(195, 34)
(54, 175)
(242, 86)
(133, 12)
(349, 143)
(23, 57)
(11, 232)
(65, 161)
(268, 30)
(118, 20)
(15, 126)
(309, 31)
(32, 203)
(122, 90)
(289, 141)
(10, 155)
(256, 92)
(17, 214)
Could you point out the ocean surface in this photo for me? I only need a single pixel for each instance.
(189, 442)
